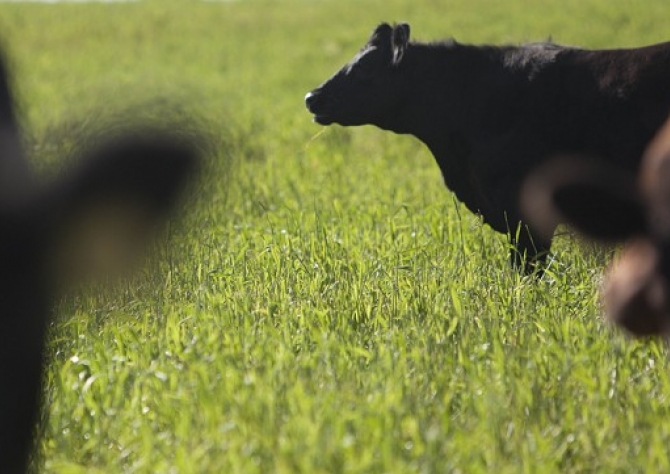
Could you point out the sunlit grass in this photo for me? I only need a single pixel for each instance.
(331, 307)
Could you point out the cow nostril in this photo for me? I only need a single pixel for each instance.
(317, 102)
(309, 99)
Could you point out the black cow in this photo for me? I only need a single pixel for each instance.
(490, 114)
(89, 220)
(607, 205)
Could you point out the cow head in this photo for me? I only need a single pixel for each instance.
(608, 205)
(368, 89)
(91, 220)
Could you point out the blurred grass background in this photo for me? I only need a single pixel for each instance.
(328, 306)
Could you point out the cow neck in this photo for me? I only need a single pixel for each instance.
(443, 108)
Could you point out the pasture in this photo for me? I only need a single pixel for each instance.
(326, 305)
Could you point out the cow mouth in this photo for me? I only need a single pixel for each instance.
(318, 105)
(323, 119)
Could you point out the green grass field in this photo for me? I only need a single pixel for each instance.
(328, 306)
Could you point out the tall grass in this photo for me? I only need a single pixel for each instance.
(328, 307)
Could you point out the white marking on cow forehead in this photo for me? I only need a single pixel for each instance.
(366, 51)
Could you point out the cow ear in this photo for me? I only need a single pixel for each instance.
(635, 292)
(600, 202)
(381, 35)
(104, 212)
(654, 179)
(400, 41)
(600, 211)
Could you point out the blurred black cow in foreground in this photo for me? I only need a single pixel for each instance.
(490, 114)
(607, 205)
(94, 218)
